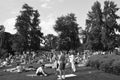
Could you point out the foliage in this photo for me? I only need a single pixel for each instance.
(2, 28)
(3, 53)
(67, 29)
(107, 63)
(17, 43)
(51, 41)
(5, 43)
(102, 26)
(27, 26)
(116, 67)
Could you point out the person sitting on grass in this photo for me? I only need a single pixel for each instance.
(40, 71)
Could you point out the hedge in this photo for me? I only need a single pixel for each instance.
(107, 63)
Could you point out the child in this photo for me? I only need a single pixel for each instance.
(40, 71)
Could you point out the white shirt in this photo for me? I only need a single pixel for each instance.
(71, 57)
(39, 70)
(19, 68)
(4, 63)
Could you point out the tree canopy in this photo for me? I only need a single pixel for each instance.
(5, 42)
(51, 41)
(102, 26)
(27, 25)
(67, 29)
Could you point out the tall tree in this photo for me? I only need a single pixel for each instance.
(5, 42)
(67, 29)
(27, 26)
(17, 43)
(102, 26)
(93, 29)
(109, 36)
(2, 28)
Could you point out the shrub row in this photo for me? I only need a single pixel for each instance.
(107, 63)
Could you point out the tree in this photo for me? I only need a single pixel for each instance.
(109, 37)
(51, 41)
(67, 29)
(5, 42)
(1, 37)
(17, 43)
(93, 29)
(27, 26)
(102, 26)
(83, 38)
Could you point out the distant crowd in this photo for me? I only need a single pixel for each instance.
(59, 61)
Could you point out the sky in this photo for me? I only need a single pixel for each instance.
(49, 11)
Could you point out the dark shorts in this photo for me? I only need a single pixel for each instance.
(62, 66)
(39, 73)
(57, 66)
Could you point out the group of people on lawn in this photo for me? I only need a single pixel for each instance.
(60, 61)
(59, 64)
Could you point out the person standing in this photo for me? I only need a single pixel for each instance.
(61, 65)
(71, 59)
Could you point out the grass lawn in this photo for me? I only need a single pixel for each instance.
(83, 73)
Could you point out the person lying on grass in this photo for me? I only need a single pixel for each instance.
(40, 71)
(19, 69)
(5, 63)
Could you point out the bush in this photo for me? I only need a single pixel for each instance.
(107, 63)
(116, 67)
(3, 53)
(94, 62)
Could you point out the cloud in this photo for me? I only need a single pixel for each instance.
(45, 5)
(9, 25)
(61, 0)
(45, 0)
(47, 25)
(14, 12)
